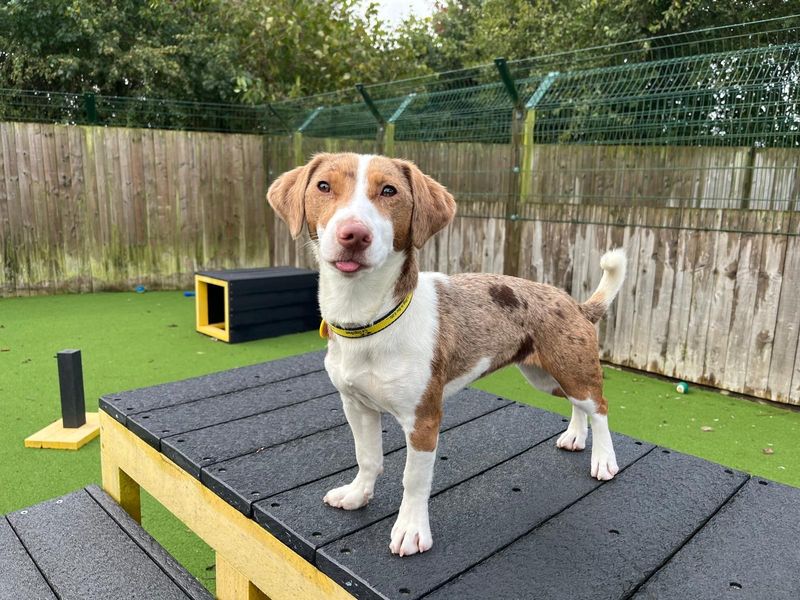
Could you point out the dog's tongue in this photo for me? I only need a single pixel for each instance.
(348, 266)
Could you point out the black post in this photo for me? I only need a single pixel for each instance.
(90, 104)
(70, 380)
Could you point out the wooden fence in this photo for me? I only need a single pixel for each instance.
(94, 208)
(712, 296)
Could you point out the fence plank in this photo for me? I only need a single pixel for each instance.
(787, 329)
(765, 315)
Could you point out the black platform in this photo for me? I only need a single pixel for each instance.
(81, 546)
(512, 516)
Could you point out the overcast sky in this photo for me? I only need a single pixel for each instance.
(394, 11)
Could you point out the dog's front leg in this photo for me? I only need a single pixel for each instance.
(366, 426)
(412, 531)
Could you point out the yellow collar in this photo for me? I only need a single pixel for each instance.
(372, 328)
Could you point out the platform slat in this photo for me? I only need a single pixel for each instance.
(304, 522)
(258, 475)
(86, 554)
(472, 521)
(750, 549)
(122, 404)
(155, 425)
(195, 450)
(19, 577)
(655, 506)
(191, 586)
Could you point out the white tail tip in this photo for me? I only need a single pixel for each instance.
(614, 261)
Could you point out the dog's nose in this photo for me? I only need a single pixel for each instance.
(353, 235)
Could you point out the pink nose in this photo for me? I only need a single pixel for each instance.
(353, 235)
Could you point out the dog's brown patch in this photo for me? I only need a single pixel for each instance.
(407, 282)
(525, 349)
(504, 296)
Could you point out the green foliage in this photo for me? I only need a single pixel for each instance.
(202, 50)
(468, 32)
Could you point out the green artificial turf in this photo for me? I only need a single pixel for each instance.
(131, 340)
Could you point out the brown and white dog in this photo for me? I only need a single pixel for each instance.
(367, 217)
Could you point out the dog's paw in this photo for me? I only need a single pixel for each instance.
(573, 439)
(348, 497)
(411, 534)
(604, 465)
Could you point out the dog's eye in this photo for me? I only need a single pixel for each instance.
(388, 191)
(324, 186)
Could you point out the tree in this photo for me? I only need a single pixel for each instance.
(204, 50)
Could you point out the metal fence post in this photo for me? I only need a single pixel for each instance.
(90, 105)
(388, 136)
(297, 136)
(528, 137)
(380, 140)
(511, 249)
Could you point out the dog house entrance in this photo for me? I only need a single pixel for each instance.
(212, 307)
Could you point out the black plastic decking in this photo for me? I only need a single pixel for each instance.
(512, 516)
(82, 546)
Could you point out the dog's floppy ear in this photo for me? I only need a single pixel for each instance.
(434, 206)
(287, 193)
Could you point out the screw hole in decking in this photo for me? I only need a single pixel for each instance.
(563, 420)
(762, 482)
(383, 431)
(275, 504)
(404, 591)
(316, 534)
(254, 493)
(207, 458)
(442, 458)
(516, 489)
(145, 416)
(735, 586)
(165, 431)
(614, 531)
(345, 550)
(729, 472)
(222, 470)
(638, 443)
(180, 440)
(665, 452)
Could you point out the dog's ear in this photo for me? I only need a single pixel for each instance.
(287, 193)
(434, 206)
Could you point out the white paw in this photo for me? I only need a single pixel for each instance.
(604, 465)
(573, 439)
(349, 497)
(411, 533)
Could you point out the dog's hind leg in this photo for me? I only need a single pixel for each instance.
(574, 437)
(366, 426)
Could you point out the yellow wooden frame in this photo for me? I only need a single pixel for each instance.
(251, 563)
(221, 331)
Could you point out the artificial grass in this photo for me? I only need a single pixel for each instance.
(132, 340)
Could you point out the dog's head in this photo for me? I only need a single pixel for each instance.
(361, 208)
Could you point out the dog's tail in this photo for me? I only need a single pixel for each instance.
(613, 264)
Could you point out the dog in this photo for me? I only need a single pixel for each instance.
(401, 341)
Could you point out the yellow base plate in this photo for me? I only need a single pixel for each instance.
(59, 437)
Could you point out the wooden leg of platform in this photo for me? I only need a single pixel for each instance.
(232, 585)
(118, 484)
